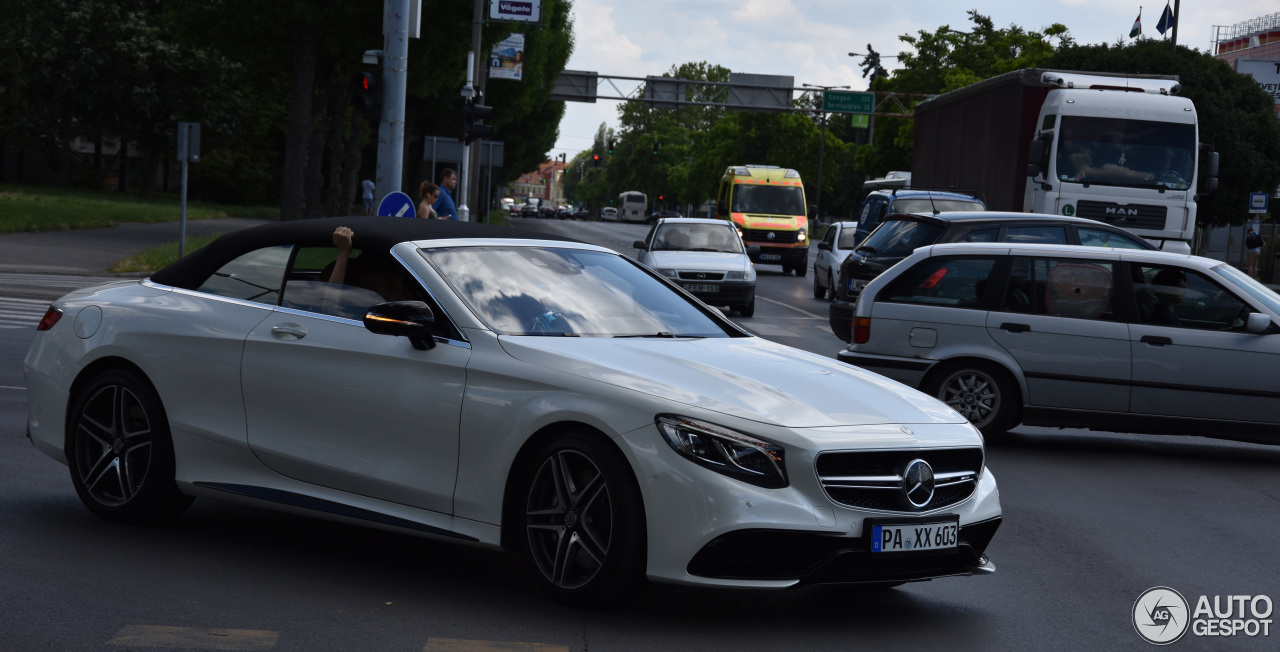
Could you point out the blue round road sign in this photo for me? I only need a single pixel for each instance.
(396, 204)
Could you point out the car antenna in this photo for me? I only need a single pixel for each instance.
(935, 206)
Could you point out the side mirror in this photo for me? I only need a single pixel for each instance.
(824, 245)
(1036, 152)
(1033, 170)
(722, 208)
(411, 319)
(1257, 323)
(639, 244)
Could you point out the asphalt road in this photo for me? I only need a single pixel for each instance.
(1091, 521)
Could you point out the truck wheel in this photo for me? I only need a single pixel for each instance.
(801, 269)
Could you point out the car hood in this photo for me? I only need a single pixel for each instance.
(701, 260)
(749, 378)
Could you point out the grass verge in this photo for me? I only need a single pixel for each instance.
(27, 208)
(153, 259)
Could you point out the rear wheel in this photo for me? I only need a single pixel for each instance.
(120, 451)
(583, 525)
(980, 391)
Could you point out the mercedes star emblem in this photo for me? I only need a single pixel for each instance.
(917, 483)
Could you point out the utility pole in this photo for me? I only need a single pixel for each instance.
(395, 58)
(470, 154)
(817, 204)
(1177, 18)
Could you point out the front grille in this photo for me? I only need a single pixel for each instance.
(701, 276)
(873, 479)
(762, 236)
(1132, 216)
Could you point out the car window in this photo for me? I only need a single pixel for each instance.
(1076, 288)
(948, 281)
(683, 236)
(1045, 234)
(988, 234)
(1184, 298)
(929, 206)
(552, 291)
(1090, 237)
(255, 276)
(898, 238)
(848, 238)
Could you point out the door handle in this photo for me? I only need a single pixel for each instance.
(1156, 340)
(1015, 328)
(289, 331)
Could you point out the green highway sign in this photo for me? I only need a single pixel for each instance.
(847, 102)
(862, 121)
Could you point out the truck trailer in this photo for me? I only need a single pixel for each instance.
(1121, 149)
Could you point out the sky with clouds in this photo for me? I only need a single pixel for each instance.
(810, 40)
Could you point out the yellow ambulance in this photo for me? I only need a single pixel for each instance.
(767, 204)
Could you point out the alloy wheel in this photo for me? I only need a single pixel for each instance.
(569, 519)
(113, 445)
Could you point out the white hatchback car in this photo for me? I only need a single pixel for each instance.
(511, 390)
(1122, 340)
(836, 243)
(706, 257)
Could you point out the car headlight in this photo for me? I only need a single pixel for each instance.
(801, 236)
(725, 451)
(735, 276)
(669, 273)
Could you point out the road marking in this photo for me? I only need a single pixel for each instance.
(200, 638)
(463, 645)
(787, 305)
(17, 388)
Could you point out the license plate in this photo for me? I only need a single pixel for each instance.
(770, 256)
(702, 288)
(914, 537)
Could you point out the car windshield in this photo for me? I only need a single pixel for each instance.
(848, 237)
(769, 200)
(683, 236)
(551, 291)
(929, 206)
(1249, 286)
(1121, 152)
(898, 238)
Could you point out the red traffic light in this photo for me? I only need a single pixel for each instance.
(596, 157)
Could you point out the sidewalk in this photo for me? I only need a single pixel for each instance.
(91, 251)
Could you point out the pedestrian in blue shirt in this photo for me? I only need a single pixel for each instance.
(444, 206)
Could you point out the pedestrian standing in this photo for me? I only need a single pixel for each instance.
(1252, 251)
(444, 206)
(366, 188)
(429, 192)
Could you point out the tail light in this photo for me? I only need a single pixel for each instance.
(51, 317)
(861, 330)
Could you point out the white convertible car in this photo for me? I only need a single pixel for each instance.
(548, 397)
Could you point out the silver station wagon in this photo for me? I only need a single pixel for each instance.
(1110, 339)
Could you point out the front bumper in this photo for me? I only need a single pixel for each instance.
(790, 255)
(817, 558)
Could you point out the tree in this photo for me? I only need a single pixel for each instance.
(1236, 116)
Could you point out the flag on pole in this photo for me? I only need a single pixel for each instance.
(1137, 25)
(1167, 19)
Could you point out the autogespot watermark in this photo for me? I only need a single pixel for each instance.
(1162, 616)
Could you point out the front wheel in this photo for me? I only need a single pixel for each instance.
(583, 526)
(121, 453)
(819, 292)
(749, 309)
(981, 392)
(801, 270)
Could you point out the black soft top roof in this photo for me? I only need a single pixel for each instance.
(376, 234)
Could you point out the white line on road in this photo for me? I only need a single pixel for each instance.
(787, 305)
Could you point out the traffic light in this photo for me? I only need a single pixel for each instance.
(610, 147)
(473, 113)
(655, 146)
(595, 160)
(365, 98)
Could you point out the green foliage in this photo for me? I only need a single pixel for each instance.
(1236, 116)
(159, 257)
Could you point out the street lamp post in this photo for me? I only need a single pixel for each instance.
(822, 148)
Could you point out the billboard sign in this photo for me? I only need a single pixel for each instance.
(1266, 72)
(507, 59)
(522, 10)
